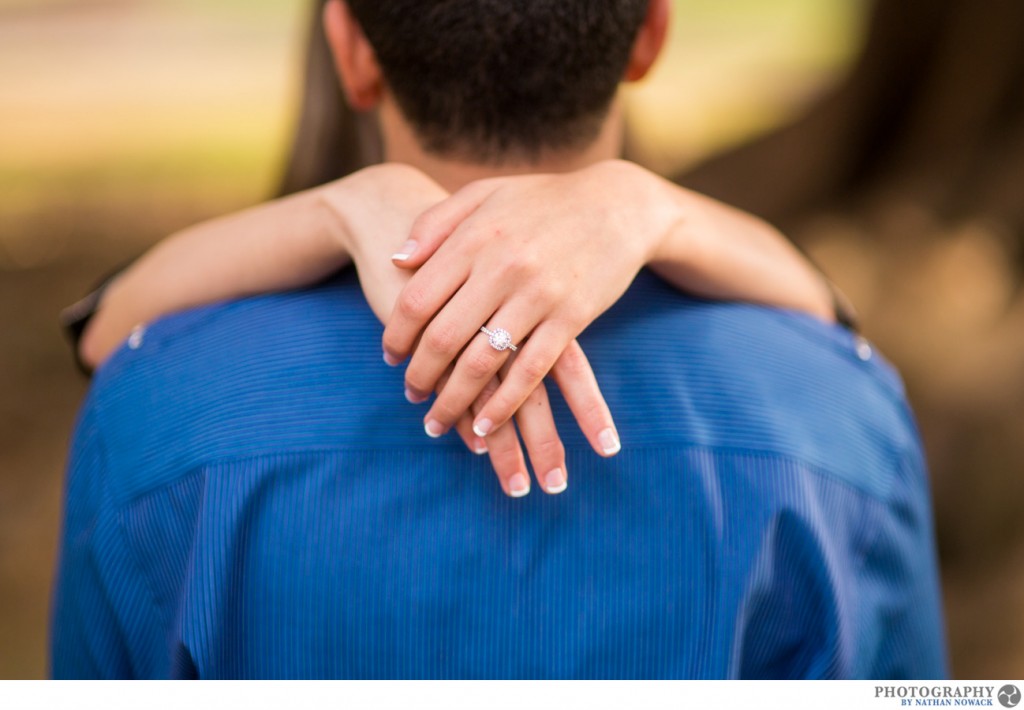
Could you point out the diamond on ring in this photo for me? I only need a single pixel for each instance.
(499, 338)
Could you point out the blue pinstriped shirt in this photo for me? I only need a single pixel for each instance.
(249, 495)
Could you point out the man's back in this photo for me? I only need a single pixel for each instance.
(250, 495)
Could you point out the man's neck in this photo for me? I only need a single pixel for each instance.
(401, 146)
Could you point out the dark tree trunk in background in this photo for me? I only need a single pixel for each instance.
(934, 110)
(907, 184)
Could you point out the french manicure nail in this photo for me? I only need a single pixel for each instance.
(480, 447)
(555, 481)
(433, 428)
(609, 442)
(407, 250)
(518, 485)
(482, 427)
(391, 359)
(414, 398)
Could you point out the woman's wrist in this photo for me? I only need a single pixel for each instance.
(678, 249)
(656, 206)
(360, 210)
(328, 207)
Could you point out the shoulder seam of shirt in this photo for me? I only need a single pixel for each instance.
(807, 327)
(217, 462)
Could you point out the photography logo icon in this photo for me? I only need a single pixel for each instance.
(1009, 696)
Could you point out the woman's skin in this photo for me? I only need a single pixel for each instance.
(538, 255)
(546, 254)
(554, 250)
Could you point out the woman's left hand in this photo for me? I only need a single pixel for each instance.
(373, 208)
(539, 256)
(542, 256)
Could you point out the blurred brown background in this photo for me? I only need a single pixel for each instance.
(886, 137)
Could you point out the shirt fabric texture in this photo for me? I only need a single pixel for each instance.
(250, 496)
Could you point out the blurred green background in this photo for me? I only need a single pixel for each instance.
(122, 121)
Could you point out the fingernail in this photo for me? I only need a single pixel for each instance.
(609, 441)
(555, 481)
(414, 397)
(407, 250)
(480, 447)
(391, 359)
(433, 428)
(518, 485)
(482, 427)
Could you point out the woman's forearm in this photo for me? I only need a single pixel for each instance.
(288, 243)
(719, 252)
(275, 246)
(707, 249)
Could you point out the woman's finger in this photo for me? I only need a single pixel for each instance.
(547, 454)
(575, 378)
(508, 461)
(525, 374)
(473, 442)
(506, 454)
(475, 367)
(420, 300)
(464, 426)
(447, 335)
(436, 224)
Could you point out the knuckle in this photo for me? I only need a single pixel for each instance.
(550, 291)
(502, 404)
(477, 238)
(415, 381)
(528, 264)
(573, 314)
(425, 226)
(486, 232)
(519, 266)
(548, 448)
(487, 392)
(413, 305)
(593, 412)
(445, 411)
(442, 338)
(534, 369)
(506, 269)
(391, 341)
(504, 448)
(479, 365)
(573, 361)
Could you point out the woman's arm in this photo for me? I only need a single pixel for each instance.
(275, 246)
(542, 256)
(699, 245)
(556, 249)
(299, 240)
(716, 251)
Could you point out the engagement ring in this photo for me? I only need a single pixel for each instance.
(499, 339)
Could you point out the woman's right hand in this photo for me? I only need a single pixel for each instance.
(374, 213)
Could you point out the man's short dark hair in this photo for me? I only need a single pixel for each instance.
(493, 80)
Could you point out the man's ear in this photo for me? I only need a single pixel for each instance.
(649, 40)
(354, 58)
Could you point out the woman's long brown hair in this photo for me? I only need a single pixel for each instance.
(331, 140)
